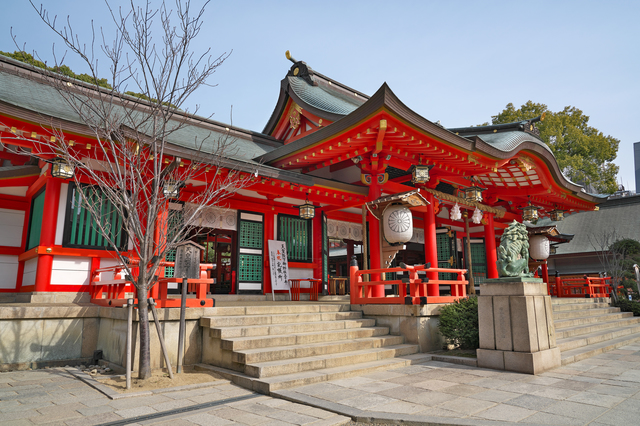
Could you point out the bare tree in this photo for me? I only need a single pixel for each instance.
(126, 179)
(611, 259)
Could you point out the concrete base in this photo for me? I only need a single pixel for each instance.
(521, 362)
(516, 326)
(417, 323)
(53, 297)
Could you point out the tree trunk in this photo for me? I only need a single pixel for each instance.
(144, 368)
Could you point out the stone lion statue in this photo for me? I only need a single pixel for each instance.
(513, 253)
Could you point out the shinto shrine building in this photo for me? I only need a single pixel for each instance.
(325, 144)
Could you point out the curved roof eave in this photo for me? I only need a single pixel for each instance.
(383, 98)
(527, 142)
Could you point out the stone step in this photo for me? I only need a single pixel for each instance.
(578, 300)
(277, 329)
(567, 323)
(581, 313)
(578, 354)
(278, 318)
(300, 365)
(252, 356)
(279, 308)
(570, 343)
(579, 306)
(562, 333)
(244, 343)
(270, 384)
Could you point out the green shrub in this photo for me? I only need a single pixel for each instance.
(628, 306)
(459, 323)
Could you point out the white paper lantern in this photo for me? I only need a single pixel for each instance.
(398, 224)
(539, 247)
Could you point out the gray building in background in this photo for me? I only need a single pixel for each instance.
(636, 157)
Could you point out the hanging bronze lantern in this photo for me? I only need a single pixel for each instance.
(171, 189)
(420, 174)
(530, 213)
(61, 169)
(307, 210)
(473, 193)
(556, 215)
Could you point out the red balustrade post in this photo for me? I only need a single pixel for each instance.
(430, 244)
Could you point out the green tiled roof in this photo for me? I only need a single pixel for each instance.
(324, 98)
(619, 215)
(47, 101)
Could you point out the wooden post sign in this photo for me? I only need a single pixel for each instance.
(279, 266)
(187, 264)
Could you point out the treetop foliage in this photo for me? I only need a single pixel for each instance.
(27, 58)
(585, 155)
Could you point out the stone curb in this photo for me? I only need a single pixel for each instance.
(366, 416)
(115, 395)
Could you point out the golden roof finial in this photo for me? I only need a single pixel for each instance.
(289, 57)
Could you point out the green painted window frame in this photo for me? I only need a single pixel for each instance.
(35, 219)
(297, 233)
(79, 229)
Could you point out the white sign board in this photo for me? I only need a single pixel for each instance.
(279, 265)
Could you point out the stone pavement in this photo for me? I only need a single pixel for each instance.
(55, 397)
(603, 390)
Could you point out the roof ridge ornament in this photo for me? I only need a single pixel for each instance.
(300, 69)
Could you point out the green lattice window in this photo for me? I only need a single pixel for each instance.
(325, 250)
(444, 245)
(251, 234)
(82, 229)
(250, 267)
(296, 233)
(174, 223)
(479, 262)
(35, 222)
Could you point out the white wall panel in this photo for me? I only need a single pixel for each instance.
(8, 271)
(70, 270)
(29, 273)
(302, 273)
(18, 191)
(11, 223)
(62, 209)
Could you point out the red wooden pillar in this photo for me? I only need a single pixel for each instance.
(375, 254)
(545, 276)
(269, 234)
(490, 246)
(48, 233)
(350, 253)
(430, 245)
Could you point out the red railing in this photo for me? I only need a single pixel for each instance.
(116, 291)
(361, 291)
(588, 287)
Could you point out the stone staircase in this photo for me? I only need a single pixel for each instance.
(266, 348)
(588, 327)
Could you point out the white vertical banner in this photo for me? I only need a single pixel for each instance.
(279, 265)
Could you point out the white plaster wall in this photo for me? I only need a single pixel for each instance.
(106, 262)
(302, 273)
(8, 271)
(62, 209)
(70, 270)
(29, 273)
(19, 191)
(11, 223)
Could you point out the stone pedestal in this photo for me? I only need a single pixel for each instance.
(516, 326)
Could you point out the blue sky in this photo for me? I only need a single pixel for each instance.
(459, 62)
